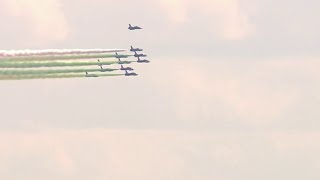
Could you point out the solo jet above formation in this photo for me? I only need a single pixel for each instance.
(135, 49)
(142, 60)
(133, 27)
(130, 74)
(126, 68)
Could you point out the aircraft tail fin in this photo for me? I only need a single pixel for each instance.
(130, 25)
(121, 66)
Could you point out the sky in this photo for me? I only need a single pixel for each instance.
(231, 93)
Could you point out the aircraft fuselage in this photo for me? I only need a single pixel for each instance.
(136, 49)
(134, 28)
(143, 61)
(140, 55)
(131, 74)
(91, 75)
(126, 69)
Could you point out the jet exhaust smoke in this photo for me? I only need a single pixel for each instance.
(55, 52)
(52, 71)
(53, 76)
(8, 64)
(53, 58)
(46, 64)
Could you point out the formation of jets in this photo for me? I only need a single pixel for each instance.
(122, 68)
(135, 51)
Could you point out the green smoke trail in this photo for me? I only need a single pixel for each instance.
(52, 58)
(54, 76)
(7, 64)
(51, 71)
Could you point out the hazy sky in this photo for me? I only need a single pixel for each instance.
(232, 92)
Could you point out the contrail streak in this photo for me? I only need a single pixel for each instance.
(51, 71)
(15, 53)
(8, 64)
(53, 76)
(52, 58)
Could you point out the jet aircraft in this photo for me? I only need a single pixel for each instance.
(90, 75)
(126, 68)
(123, 62)
(142, 60)
(120, 56)
(135, 49)
(105, 70)
(130, 74)
(100, 63)
(133, 27)
(139, 55)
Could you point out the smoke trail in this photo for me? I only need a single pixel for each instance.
(52, 58)
(54, 76)
(52, 71)
(17, 53)
(7, 64)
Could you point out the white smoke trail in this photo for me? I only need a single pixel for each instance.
(27, 52)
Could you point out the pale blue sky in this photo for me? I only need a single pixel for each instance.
(231, 93)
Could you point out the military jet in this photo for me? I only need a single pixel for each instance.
(126, 68)
(130, 74)
(100, 63)
(133, 27)
(135, 49)
(123, 62)
(90, 75)
(105, 70)
(120, 56)
(139, 55)
(142, 60)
